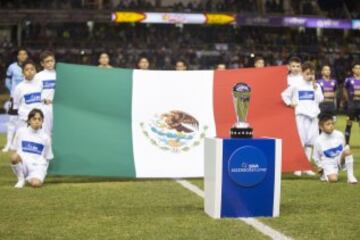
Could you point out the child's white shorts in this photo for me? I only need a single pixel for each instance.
(308, 129)
(332, 166)
(35, 169)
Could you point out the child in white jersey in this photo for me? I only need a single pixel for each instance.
(33, 152)
(47, 80)
(294, 77)
(27, 94)
(305, 98)
(331, 153)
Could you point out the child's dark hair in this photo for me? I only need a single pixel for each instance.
(354, 64)
(308, 65)
(323, 117)
(21, 49)
(140, 58)
(294, 59)
(32, 114)
(46, 54)
(27, 62)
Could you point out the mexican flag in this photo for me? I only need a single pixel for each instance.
(152, 124)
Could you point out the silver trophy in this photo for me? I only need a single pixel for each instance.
(241, 98)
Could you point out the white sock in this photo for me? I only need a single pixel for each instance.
(349, 165)
(18, 170)
(10, 135)
(308, 151)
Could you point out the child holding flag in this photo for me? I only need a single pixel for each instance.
(294, 77)
(27, 94)
(47, 80)
(305, 98)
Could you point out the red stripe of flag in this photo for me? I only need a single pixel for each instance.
(268, 116)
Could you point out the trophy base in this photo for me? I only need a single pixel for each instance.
(241, 132)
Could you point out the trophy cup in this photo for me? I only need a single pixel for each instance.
(241, 97)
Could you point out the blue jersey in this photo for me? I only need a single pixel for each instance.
(352, 85)
(328, 86)
(14, 76)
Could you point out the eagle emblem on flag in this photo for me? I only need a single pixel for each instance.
(174, 131)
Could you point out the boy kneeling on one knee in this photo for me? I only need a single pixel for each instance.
(33, 151)
(331, 153)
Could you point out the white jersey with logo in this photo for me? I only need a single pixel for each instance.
(305, 97)
(47, 80)
(27, 96)
(328, 148)
(33, 145)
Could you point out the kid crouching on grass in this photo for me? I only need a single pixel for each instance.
(331, 153)
(33, 152)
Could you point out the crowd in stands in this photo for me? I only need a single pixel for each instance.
(325, 8)
(202, 47)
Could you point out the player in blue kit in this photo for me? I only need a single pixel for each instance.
(14, 75)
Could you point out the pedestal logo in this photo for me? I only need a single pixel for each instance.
(247, 166)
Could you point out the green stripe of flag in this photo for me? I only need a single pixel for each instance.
(92, 122)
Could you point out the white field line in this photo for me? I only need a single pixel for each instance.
(261, 227)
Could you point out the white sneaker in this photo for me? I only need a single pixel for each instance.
(310, 173)
(20, 183)
(323, 178)
(352, 180)
(5, 149)
(297, 173)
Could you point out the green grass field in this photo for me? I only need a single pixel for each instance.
(98, 208)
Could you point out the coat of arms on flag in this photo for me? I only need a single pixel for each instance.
(174, 131)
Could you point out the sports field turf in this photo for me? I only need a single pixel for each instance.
(98, 208)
